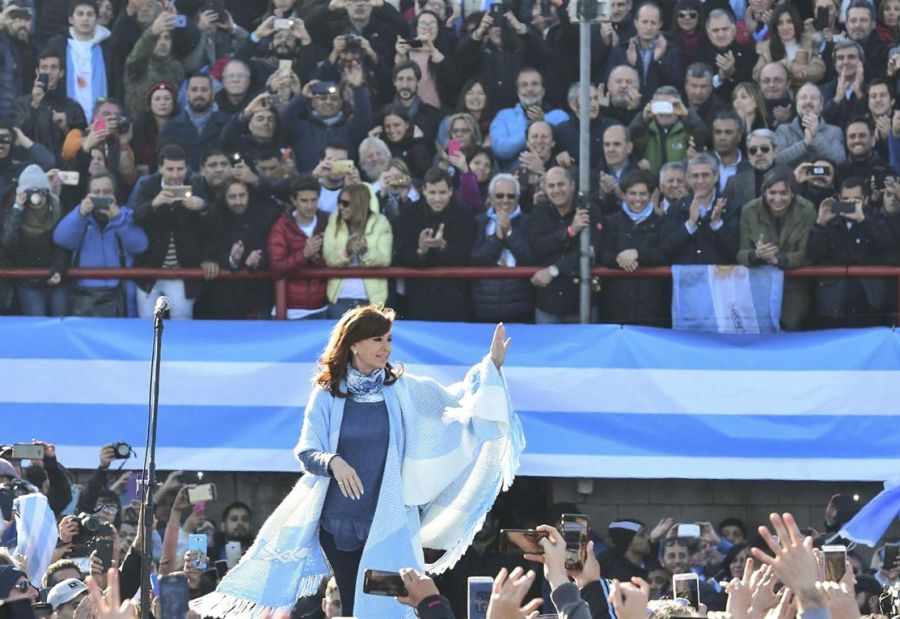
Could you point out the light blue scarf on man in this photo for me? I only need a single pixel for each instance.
(451, 451)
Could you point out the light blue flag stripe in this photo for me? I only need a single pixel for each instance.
(594, 400)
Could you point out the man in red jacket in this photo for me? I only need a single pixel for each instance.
(295, 242)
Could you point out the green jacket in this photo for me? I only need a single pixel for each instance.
(660, 148)
(756, 221)
(143, 69)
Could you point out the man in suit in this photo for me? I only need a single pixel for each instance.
(761, 153)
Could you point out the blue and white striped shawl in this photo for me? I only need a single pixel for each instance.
(451, 451)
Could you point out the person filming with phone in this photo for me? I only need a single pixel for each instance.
(849, 231)
(100, 233)
(370, 436)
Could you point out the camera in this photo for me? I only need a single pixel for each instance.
(123, 123)
(90, 527)
(351, 40)
(9, 492)
(123, 450)
(36, 197)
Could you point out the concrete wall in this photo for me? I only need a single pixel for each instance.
(648, 500)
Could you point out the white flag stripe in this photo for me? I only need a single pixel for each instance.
(579, 390)
(562, 465)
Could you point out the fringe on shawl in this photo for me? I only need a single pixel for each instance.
(218, 604)
(509, 464)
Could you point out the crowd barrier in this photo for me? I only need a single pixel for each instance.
(280, 280)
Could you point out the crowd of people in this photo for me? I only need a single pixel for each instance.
(245, 136)
(737, 565)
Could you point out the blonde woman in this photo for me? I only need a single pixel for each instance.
(356, 236)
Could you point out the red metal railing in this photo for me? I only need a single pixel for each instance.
(410, 273)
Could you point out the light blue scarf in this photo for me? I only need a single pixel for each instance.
(638, 217)
(451, 451)
(365, 387)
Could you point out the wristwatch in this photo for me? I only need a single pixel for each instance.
(554, 271)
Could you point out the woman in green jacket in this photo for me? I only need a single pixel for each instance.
(774, 231)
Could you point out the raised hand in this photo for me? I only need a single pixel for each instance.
(499, 345)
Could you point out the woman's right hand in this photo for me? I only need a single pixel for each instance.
(347, 479)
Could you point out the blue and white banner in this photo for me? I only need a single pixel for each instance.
(726, 298)
(595, 400)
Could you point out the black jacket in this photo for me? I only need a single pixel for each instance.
(638, 300)
(194, 232)
(552, 245)
(499, 300)
(666, 71)
(436, 299)
(869, 242)
(384, 26)
(180, 129)
(705, 246)
(744, 61)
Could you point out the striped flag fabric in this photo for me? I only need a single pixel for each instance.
(595, 400)
(726, 298)
(37, 533)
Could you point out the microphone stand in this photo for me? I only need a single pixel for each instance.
(148, 509)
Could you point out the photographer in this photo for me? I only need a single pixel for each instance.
(110, 131)
(100, 233)
(27, 239)
(375, 20)
(849, 231)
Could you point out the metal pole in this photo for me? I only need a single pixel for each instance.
(584, 164)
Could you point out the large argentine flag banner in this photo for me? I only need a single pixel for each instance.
(595, 401)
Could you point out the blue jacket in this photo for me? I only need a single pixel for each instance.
(508, 131)
(100, 247)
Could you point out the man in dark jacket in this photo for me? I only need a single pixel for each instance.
(198, 126)
(699, 229)
(761, 153)
(658, 62)
(46, 113)
(500, 240)
(732, 63)
(436, 232)
(376, 21)
(307, 131)
(858, 237)
(406, 77)
(180, 230)
(16, 53)
(553, 229)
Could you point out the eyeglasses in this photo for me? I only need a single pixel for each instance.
(345, 203)
(505, 196)
(23, 585)
(687, 14)
(759, 149)
(106, 508)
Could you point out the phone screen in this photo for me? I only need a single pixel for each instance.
(173, 596)
(687, 587)
(197, 549)
(377, 582)
(522, 540)
(835, 562)
(574, 529)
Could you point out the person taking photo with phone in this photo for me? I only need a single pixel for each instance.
(370, 436)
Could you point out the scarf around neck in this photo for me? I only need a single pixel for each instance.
(36, 222)
(365, 387)
(638, 217)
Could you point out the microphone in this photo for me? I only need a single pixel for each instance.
(163, 305)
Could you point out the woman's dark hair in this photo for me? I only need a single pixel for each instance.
(732, 553)
(400, 112)
(461, 101)
(686, 5)
(776, 45)
(415, 22)
(778, 174)
(357, 324)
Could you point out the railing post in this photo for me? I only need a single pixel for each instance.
(281, 299)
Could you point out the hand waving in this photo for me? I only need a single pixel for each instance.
(499, 345)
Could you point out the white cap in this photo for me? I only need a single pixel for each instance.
(65, 591)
